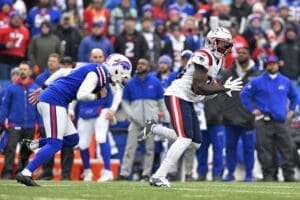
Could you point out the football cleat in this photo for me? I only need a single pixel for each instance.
(106, 175)
(26, 180)
(159, 182)
(24, 153)
(87, 175)
(147, 130)
(229, 178)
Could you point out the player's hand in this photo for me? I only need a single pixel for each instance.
(256, 112)
(110, 115)
(289, 116)
(102, 93)
(233, 85)
(34, 96)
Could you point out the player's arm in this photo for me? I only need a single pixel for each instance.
(89, 84)
(56, 75)
(117, 98)
(201, 83)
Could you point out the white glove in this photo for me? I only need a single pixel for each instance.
(235, 85)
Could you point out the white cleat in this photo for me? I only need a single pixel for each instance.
(106, 175)
(159, 182)
(87, 175)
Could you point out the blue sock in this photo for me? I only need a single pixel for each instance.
(70, 140)
(106, 153)
(42, 142)
(85, 156)
(46, 152)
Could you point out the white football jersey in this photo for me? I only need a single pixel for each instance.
(182, 87)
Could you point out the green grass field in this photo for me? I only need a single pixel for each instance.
(74, 190)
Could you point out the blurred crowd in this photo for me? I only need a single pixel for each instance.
(158, 36)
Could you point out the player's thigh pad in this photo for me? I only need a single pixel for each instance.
(55, 119)
(86, 131)
(101, 127)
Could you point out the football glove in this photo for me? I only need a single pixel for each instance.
(233, 85)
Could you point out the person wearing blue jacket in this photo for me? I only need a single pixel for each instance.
(22, 117)
(267, 97)
(93, 41)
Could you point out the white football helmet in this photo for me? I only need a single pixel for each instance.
(219, 41)
(119, 67)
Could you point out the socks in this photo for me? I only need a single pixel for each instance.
(85, 156)
(34, 144)
(164, 132)
(45, 153)
(70, 140)
(26, 172)
(106, 153)
(174, 153)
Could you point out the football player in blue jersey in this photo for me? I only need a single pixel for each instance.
(85, 83)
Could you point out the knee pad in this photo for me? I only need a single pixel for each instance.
(195, 145)
(101, 137)
(70, 140)
(184, 142)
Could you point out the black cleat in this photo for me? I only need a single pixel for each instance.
(26, 180)
(147, 130)
(24, 153)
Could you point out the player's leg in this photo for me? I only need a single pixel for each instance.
(55, 120)
(70, 140)
(202, 155)
(218, 142)
(248, 151)
(86, 131)
(101, 131)
(152, 128)
(182, 122)
(232, 137)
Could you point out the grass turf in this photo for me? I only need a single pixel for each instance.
(74, 190)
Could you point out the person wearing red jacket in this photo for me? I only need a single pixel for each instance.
(14, 39)
(95, 12)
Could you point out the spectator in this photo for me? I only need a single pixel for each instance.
(240, 9)
(276, 33)
(288, 53)
(238, 42)
(95, 40)
(69, 37)
(21, 116)
(111, 4)
(14, 39)
(75, 10)
(174, 17)
(266, 97)
(184, 7)
(44, 11)
(96, 12)
(176, 45)
(164, 71)
(161, 30)
(153, 41)
(242, 124)
(131, 43)
(142, 89)
(159, 10)
(124, 10)
(41, 46)
(6, 7)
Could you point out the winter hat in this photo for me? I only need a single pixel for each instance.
(165, 59)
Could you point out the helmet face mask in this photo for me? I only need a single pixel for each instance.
(119, 67)
(219, 41)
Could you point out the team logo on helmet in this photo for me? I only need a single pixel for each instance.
(125, 65)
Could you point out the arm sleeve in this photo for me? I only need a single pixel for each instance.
(5, 106)
(87, 86)
(246, 96)
(58, 74)
(117, 97)
(293, 96)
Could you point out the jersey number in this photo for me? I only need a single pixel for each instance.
(17, 38)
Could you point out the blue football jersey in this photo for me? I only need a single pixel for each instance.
(62, 91)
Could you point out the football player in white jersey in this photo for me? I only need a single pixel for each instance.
(196, 84)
